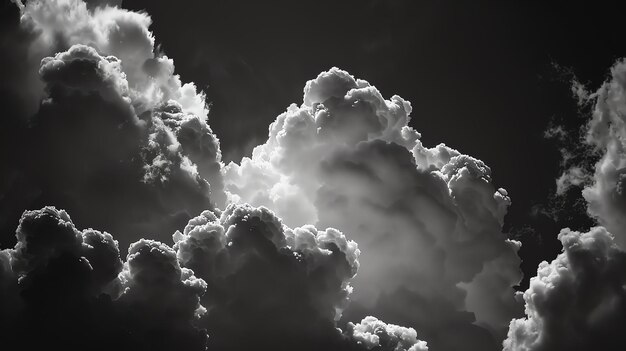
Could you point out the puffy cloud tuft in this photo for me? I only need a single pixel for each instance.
(47, 234)
(161, 297)
(374, 333)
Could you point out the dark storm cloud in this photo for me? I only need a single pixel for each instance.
(65, 289)
(283, 288)
(428, 220)
(161, 298)
(48, 233)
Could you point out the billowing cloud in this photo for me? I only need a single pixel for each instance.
(91, 152)
(160, 297)
(118, 139)
(428, 221)
(281, 287)
(577, 301)
(374, 333)
(105, 128)
(73, 289)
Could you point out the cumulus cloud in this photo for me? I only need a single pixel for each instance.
(46, 234)
(53, 280)
(71, 287)
(161, 298)
(374, 333)
(577, 301)
(8, 290)
(118, 139)
(428, 220)
(92, 153)
(606, 133)
(106, 129)
(281, 287)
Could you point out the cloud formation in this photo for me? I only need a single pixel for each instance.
(595, 162)
(280, 287)
(267, 281)
(161, 298)
(577, 301)
(606, 133)
(106, 129)
(71, 287)
(118, 139)
(428, 220)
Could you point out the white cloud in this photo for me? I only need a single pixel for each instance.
(607, 134)
(375, 333)
(577, 301)
(428, 220)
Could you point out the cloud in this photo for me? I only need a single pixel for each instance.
(281, 287)
(428, 220)
(605, 133)
(594, 159)
(118, 139)
(283, 169)
(117, 32)
(121, 142)
(161, 299)
(8, 290)
(46, 234)
(92, 153)
(71, 287)
(374, 333)
(577, 301)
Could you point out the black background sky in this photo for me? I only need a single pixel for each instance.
(481, 75)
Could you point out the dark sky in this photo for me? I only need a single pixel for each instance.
(482, 77)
